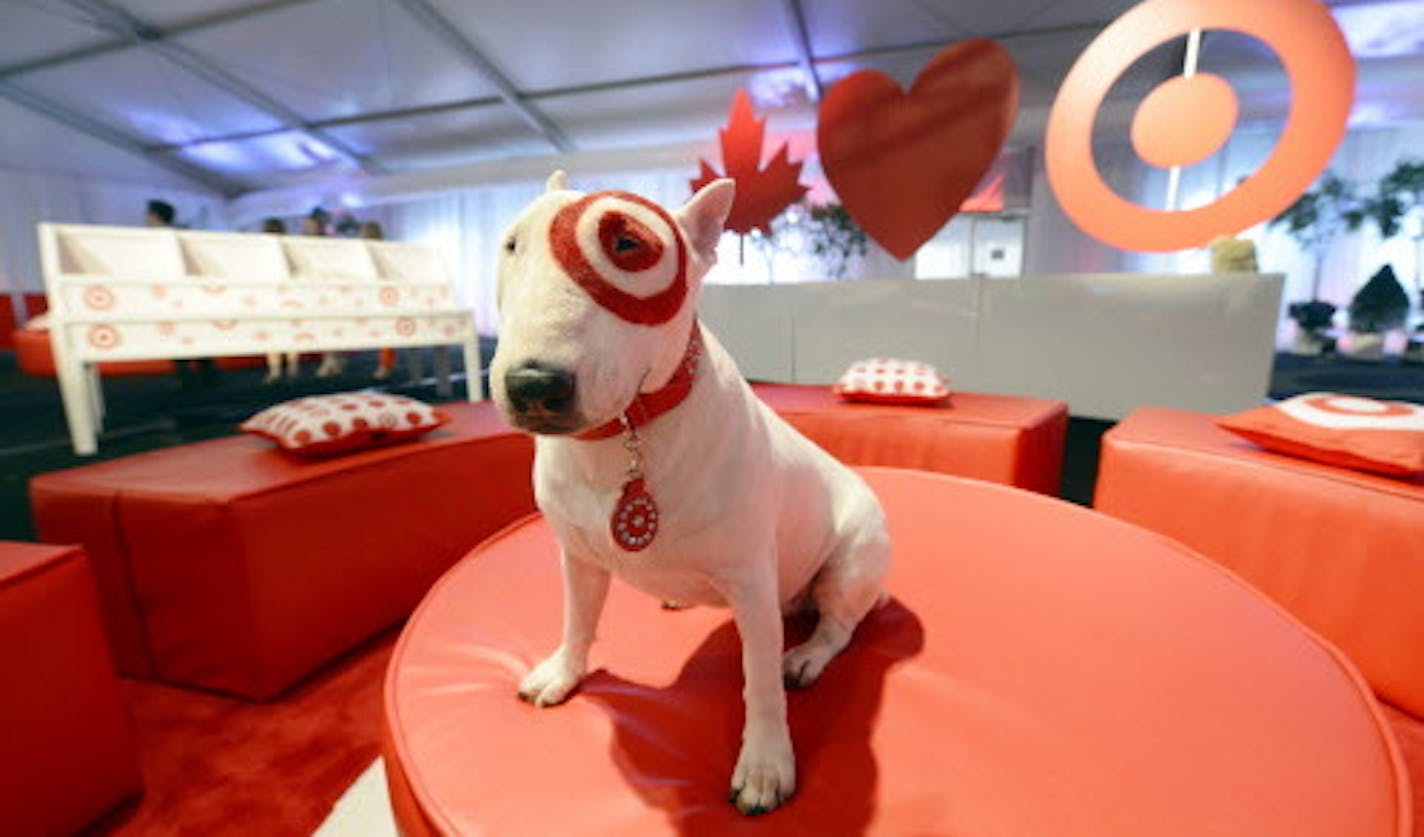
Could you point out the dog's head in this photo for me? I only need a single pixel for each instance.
(597, 297)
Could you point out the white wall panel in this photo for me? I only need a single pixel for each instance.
(1106, 344)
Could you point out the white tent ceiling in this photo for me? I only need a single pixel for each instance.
(241, 95)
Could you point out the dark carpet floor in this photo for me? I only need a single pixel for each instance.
(1391, 379)
(149, 412)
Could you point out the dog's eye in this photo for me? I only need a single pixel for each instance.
(510, 244)
(624, 244)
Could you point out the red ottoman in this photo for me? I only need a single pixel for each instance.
(1041, 670)
(1000, 438)
(1341, 550)
(68, 750)
(228, 565)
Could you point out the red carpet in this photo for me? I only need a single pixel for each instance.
(215, 765)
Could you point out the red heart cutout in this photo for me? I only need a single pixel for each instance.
(902, 163)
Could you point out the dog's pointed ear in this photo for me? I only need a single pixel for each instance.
(702, 217)
(557, 182)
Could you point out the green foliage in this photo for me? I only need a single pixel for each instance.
(1312, 316)
(1316, 217)
(1380, 305)
(1400, 192)
(1406, 182)
(833, 236)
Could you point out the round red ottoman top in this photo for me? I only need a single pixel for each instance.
(1040, 669)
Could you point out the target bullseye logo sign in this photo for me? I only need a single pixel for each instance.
(626, 252)
(1186, 119)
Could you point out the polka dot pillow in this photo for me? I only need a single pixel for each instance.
(322, 425)
(891, 381)
(1385, 437)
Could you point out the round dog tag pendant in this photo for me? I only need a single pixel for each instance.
(635, 517)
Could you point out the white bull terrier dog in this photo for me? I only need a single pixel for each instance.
(654, 460)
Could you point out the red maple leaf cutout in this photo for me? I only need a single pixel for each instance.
(762, 194)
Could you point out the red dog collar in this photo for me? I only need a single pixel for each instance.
(631, 247)
(648, 406)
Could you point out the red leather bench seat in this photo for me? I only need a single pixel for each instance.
(229, 565)
(1040, 669)
(67, 751)
(1006, 439)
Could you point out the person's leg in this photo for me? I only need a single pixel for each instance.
(385, 362)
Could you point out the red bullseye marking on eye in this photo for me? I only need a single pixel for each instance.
(628, 243)
(1357, 407)
(643, 310)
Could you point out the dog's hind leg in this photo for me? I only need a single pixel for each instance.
(843, 592)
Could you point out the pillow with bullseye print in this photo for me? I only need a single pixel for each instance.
(1383, 437)
(326, 425)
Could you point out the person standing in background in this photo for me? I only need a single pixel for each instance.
(386, 358)
(274, 226)
(159, 213)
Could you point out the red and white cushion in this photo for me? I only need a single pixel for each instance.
(321, 425)
(1385, 437)
(891, 381)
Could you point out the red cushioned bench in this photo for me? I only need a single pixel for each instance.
(1341, 550)
(227, 565)
(1039, 670)
(67, 752)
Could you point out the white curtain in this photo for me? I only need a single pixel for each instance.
(27, 198)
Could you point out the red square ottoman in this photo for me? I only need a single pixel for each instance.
(231, 566)
(1341, 550)
(1006, 439)
(68, 753)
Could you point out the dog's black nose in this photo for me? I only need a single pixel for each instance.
(534, 388)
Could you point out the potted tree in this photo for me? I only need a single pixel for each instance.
(1379, 306)
(834, 237)
(1402, 193)
(1314, 220)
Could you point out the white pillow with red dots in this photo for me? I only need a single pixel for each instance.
(891, 381)
(322, 425)
(1384, 437)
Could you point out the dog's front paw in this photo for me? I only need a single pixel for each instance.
(551, 681)
(765, 776)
